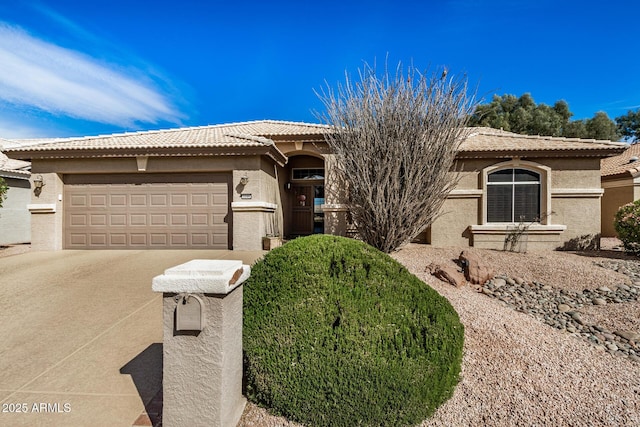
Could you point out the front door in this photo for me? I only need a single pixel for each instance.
(306, 211)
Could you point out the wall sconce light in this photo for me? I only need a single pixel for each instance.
(287, 186)
(38, 183)
(244, 180)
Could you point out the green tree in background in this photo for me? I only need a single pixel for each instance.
(522, 115)
(629, 125)
(602, 127)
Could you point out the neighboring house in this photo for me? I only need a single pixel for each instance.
(227, 186)
(621, 184)
(15, 219)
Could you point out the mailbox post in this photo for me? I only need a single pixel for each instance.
(202, 343)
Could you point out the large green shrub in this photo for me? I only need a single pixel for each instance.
(336, 333)
(627, 225)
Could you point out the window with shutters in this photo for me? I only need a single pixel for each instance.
(513, 195)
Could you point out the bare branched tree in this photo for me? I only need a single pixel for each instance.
(395, 138)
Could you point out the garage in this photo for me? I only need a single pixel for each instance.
(147, 211)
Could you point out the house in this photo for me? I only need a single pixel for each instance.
(621, 184)
(15, 219)
(227, 186)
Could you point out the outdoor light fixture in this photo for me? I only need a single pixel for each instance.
(288, 186)
(38, 183)
(244, 180)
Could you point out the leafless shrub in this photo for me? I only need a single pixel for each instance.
(395, 138)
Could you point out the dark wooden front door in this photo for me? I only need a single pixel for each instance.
(302, 210)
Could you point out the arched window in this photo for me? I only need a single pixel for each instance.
(513, 195)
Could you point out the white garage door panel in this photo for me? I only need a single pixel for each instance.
(147, 215)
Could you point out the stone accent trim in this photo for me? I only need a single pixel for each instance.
(577, 192)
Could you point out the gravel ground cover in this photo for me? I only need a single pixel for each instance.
(518, 370)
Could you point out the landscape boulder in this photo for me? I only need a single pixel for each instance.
(447, 274)
(475, 271)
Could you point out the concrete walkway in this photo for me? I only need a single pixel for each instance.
(81, 334)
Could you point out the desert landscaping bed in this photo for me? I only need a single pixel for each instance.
(516, 369)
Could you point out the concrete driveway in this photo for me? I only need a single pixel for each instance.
(81, 334)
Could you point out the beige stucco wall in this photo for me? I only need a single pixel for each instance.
(47, 212)
(573, 197)
(15, 219)
(616, 194)
(259, 211)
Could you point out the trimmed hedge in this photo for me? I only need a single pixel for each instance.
(627, 225)
(337, 333)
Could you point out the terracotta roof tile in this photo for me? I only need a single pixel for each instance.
(261, 133)
(13, 167)
(245, 134)
(624, 164)
(484, 139)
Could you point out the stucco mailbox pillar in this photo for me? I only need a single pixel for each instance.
(202, 344)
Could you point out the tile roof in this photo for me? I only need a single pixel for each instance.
(624, 164)
(14, 168)
(263, 132)
(483, 139)
(245, 134)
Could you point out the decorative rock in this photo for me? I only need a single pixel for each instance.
(628, 335)
(474, 270)
(611, 346)
(499, 282)
(447, 274)
(576, 316)
(559, 307)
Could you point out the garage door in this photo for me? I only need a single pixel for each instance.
(147, 212)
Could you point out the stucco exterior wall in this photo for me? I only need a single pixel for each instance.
(256, 206)
(616, 194)
(47, 212)
(572, 192)
(15, 219)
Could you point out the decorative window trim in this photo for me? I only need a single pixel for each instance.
(595, 193)
(545, 186)
(535, 229)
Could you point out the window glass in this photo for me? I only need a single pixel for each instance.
(505, 175)
(308, 174)
(526, 203)
(499, 203)
(513, 195)
(523, 175)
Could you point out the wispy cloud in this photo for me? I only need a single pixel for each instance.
(17, 130)
(61, 81)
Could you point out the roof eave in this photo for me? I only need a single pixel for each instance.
(270, 150)
(598, 153)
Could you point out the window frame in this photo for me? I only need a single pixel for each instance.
(544, 181)
(513, 184)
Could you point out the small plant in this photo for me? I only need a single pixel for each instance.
(3, 190)
(336, 333)
(517, 235)
(627, 225)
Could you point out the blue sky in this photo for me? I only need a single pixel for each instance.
(72, 68)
